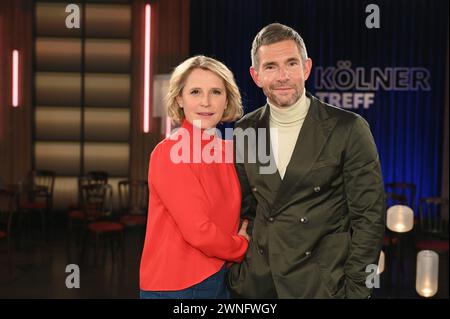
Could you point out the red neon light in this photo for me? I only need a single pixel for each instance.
(15, 78)
(168, 126)
(147, 91)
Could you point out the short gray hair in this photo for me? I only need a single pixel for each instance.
(274, 33)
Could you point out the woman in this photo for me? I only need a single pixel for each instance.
(194, 202)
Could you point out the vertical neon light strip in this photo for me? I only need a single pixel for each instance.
(15, 78)
(168, 126)
(147, 91)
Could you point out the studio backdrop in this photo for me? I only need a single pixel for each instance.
(392, 71)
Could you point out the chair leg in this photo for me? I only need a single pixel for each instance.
(96, 249)
(104, 249)
(387, 274)
(122, 249)
(19, 229)
(43, 226)
(29, 227)
(112, 246)
(443, 275)
(82, 248)
(10, 259)
(69, 238)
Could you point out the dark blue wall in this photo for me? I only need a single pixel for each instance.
(406, 121)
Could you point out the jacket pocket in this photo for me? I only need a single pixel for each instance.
(325, 162)
(330, 258)
(334, 289)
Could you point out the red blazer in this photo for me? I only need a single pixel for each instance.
(193, 217)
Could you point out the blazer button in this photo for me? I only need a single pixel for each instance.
(307, 253)
(304, 220)
(254, 189)
(261, 252)
(317, 189)
(271, 219)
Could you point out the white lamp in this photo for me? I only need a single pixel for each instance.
(159, 109)
(427, 273)
(400, 218)
(380, 263)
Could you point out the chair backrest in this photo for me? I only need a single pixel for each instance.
(96, 201)
(8, 205)
(46, 179)
(39, 184)
(97, 177)
(93, 177)
(133, 197)
(432, 221)
(395, 199)
(408, 190)
(82, 181)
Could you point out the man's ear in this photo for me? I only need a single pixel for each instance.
(255, 76)
(307, 66)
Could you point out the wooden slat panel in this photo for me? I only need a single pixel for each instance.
(108, 55)
(65, 192)
(61, 157)
(64, 55)
(108, 21)
(109, 90)
(102, 20)
(59, 89)
(51, 20)
(58, 54)
(58, 123)
(106, 124)
(110, 157)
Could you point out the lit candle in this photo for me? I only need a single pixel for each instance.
(400, 218)
(427, 274)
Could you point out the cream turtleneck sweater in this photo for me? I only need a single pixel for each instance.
(285, 125)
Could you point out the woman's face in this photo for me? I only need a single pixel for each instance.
(203, 98)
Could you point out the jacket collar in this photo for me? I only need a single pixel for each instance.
(313, 135)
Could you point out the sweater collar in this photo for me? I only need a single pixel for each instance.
(290, 115)
(204, 136)
(209, 132)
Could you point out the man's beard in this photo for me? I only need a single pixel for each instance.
(293, 98)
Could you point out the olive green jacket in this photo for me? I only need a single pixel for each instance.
(313, 233)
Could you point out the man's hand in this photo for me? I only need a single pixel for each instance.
(243, 230)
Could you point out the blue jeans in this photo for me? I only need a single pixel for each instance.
(213, 287)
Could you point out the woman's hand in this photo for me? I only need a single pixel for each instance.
(243, 230)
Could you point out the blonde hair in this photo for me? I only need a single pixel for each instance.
(232, 112)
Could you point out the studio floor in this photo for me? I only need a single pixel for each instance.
(39, 271)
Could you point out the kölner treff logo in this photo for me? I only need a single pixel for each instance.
(352, 87)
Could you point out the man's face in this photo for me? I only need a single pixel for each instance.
(281, 72)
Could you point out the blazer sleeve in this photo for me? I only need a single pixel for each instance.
(185, 200)
(248, 206)
(364, 190)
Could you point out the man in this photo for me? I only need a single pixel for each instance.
(318, 221)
